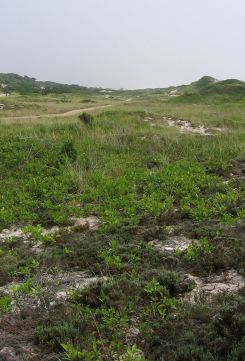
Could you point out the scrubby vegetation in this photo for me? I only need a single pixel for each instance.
(86, 118)
(144, 183)
(26, 85)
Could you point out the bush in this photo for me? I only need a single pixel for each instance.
(68, 151)
(86, 118)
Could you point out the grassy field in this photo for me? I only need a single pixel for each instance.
(37, 104)
(145, 181)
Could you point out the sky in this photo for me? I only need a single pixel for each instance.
(123, 43)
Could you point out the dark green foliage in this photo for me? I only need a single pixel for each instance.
(65, 324)
(230, 87)
(208, 91)
(68, 151)
(199, 333)
(203, 82)
(86, 118)
(27, 85)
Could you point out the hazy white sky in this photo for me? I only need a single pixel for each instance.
(123, 43)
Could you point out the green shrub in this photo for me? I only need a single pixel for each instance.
(86, 118)
(5, 303)
(68, 151)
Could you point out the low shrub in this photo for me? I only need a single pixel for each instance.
(86, 118)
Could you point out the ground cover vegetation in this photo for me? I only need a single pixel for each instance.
(144, 182)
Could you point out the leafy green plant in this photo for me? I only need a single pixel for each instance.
(28, 288)
(153, 287)
(5, 303)
(114, 320)
(192, 251)
(197, 248)
(133, 353)
(160, 306)
(206, 246)
(38, 233)
(27, 269)
(110, 257)
(71, 353)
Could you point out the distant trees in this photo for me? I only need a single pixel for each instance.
(27, 85)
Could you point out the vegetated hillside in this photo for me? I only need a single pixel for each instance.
(200, 90)
(204, 82)
(27, 85)
(191, 88)
(209, 90)
(195, 86)
(226, 87)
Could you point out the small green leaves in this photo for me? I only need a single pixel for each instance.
(153, 287)
(5, 303)
(38, 233)
(110, 257)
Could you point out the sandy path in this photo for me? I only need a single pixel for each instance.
(58, 115)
